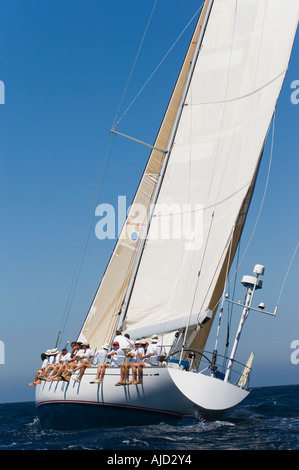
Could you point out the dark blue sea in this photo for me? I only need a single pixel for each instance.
(267, 420)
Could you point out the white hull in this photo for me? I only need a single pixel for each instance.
(166, 394)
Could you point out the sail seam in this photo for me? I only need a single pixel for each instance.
(239, 98)
(191, 211)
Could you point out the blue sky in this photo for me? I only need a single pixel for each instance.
(65, 64)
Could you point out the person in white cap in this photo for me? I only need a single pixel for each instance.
(61, 366)
(53, 358)
(155, 348)
(148, 354)
(64, 357)
(100, 355)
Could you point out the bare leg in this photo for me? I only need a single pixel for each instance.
(36, 380)
(56, 373)
(127, 372)
(139, 370)
(100, 373)
(124, 373)
(67, 374)
(46, 371)
(134, 373)
(82, 368)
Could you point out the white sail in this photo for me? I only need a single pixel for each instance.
(214, 159)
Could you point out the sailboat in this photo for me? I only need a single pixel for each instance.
(199, 180)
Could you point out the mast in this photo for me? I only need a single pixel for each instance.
(252, 284)
(124, 308)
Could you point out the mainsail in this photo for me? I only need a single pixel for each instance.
(209, 178)
(213, 164)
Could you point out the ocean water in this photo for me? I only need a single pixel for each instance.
(267, 420)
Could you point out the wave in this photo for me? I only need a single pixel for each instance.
(268, 419)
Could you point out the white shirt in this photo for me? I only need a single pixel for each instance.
(54, 359)
(123, 341)
(157, 353)
(88, 354)
(65, 357)
(151, 359)
(99, 357)
(83, 355)
(136, 358)
(79, 356)
(45, 363)
(118, 358)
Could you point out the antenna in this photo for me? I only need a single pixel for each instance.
(252, 283)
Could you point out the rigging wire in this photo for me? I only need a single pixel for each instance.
(76, 282)
(223, 294)
(83, 247)
(286, 275)
(133, 67)
(82, 251)
(238, 263)
(229, 315)
(259, 213)
(262, 202)
(158, 66)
